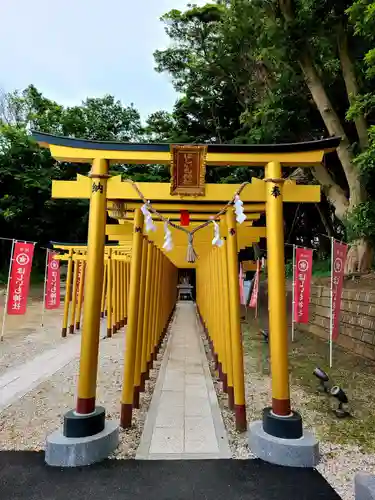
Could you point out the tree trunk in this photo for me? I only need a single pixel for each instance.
(329, 116)
(351, 85)
(327, 226)
(334, 193)
(331, 120)
(360, 257)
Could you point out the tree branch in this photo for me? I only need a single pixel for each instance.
(334, 193)
(333, 125)
(348, 73)
(286, 7)
(326, 224)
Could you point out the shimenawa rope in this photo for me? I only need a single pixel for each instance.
(191, 254)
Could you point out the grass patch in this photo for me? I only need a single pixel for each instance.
(354, 374)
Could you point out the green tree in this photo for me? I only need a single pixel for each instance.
(221, 72)
(102, 119)
(26, 170)
(288, 69)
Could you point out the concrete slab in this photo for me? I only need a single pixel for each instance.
(17, 382)
(167, 440)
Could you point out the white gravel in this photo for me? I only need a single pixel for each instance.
(25, 338)
(26, 423)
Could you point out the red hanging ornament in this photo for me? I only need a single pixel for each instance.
(184, 217)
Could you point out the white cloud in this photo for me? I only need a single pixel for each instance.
(74, 49)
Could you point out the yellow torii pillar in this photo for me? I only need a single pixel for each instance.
(87, 419)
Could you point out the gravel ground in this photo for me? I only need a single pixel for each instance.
(24, 337)
(340, 461)
(25, 424)
(29, 341)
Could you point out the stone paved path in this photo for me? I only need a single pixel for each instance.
(184, 419)
(18, 381)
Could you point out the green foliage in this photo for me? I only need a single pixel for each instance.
(237, 64)
(26, 171)
(363, 104)
(289, 269)
(360, 222)
(321, 268)
(102, 119)
(366, 160)
(362, 16)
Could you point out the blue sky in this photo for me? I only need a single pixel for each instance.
(73, 49)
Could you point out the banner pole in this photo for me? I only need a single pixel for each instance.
(258, 286)
(331, 312)
(7, 291)
(293, 287)
(45, 285)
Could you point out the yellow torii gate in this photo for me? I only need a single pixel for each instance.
(115, 285)
(217, 270)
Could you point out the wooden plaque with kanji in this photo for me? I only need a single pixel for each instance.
(188, 170)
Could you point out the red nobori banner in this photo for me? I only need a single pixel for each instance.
(255, 292)
(337, 280)
(52, 298)
(242, 292)
(19, 281)
(302, 284)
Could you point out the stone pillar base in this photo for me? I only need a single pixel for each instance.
(302, 452)
(364, 486)
(64, 451)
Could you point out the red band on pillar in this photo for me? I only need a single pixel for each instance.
(281, 407)
(143, 381)
(230, 397)
(85, 405)
(126, 416)
(136, 397)
(225, 382)
(240, 416)
(216, 360)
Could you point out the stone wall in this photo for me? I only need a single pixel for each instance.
(357, 320)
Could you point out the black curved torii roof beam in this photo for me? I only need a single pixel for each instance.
(289, 154)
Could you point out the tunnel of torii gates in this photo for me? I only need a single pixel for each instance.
(134, 280)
